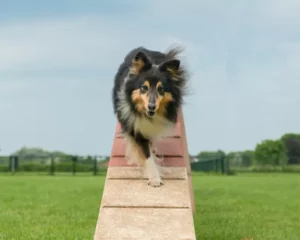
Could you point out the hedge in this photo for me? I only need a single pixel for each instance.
(58, 167)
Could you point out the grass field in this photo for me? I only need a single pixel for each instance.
(262, 206)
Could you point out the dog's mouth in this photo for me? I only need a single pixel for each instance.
(150, 113)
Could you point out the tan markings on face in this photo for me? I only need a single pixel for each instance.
(145, 96)
(159, 97)
(138, 100)
(165, 99)
(141, 99)
(146, 83)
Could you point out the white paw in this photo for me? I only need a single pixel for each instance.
(152, 172)
(157, 182)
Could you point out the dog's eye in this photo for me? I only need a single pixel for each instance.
(144, 88)
(160, 90)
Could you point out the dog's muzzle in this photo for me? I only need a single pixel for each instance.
(151, 110)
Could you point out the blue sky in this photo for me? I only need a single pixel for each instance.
(58, 60)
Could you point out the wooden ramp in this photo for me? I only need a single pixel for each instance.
(132, 210)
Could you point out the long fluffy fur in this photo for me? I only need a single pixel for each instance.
(141, 66)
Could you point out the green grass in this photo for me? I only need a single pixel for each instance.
(262, 206)
(45, 207)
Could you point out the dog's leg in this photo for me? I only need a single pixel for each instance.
(157, 158)
(144, 151)
(133, 152)
(152, 171)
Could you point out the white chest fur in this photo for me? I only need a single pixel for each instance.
(155, 128)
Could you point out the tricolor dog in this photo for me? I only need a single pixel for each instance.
(148, 91)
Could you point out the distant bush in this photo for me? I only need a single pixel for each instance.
(3, 160)
(4, 168)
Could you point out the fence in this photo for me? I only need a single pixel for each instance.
(76, 164)
(229, 166)
(53, 164)
(70, 164)
(217, 165)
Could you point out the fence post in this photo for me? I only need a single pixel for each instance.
(227, 165)
(12, 164)
(74, 159)
(52, 168)
(223, 164)
(216, 164)
(95, 166)
(16, 162)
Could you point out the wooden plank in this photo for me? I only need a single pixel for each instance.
(145, 224)
(130, 209)
(138, 173)
(137, 193)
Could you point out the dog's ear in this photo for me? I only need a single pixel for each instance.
(140, 63)
(171, 66)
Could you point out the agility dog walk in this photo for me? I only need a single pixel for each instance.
(147, 96)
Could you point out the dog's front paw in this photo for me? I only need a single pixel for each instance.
(152, 172)
(156, 182)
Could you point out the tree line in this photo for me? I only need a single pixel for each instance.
(281, 152)
(276, 152)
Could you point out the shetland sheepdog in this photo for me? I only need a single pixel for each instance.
(148, 91)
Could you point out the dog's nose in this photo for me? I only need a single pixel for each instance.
(151, 107)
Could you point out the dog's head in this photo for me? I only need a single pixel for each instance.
(154, 86)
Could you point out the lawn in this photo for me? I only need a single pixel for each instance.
(262, 206)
